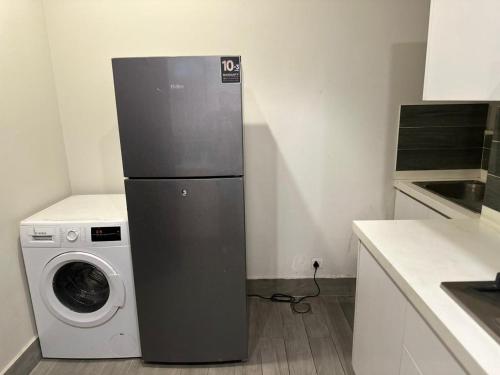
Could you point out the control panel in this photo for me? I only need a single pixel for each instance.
(104, 234)
(74, 235)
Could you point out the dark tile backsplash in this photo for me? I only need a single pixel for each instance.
(441, 136)
(485, 159)
(492, 194)
(444, 115)
(494, 163)
(416, 160)
(496, 130)
(488, 138)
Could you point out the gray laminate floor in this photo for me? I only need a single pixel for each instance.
(281, 342)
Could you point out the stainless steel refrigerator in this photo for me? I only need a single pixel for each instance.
(180, 124)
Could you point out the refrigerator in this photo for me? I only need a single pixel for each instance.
(180, 126)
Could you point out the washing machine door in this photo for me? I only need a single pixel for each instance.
(81, 289)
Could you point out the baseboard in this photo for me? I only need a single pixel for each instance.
(329, 287)
(26, 361)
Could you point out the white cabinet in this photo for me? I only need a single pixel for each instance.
(378, 322)
(428, 353)
(407, 208)
(390, 337)
(463, 51)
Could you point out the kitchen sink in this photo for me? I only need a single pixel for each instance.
(468, 194)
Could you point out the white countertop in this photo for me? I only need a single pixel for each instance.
(80, 208)
(418, 255)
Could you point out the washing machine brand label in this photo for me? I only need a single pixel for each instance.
(43, 231)
(230, 69)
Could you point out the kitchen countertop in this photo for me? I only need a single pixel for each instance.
(418, 255)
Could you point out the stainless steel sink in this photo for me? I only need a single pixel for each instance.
(468, 194)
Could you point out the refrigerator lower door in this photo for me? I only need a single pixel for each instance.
(188, 251)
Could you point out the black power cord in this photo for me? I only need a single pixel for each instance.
(292, 300)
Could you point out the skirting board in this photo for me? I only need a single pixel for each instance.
(299, 287)
(26, 361)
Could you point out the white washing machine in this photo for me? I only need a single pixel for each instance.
(78, 262)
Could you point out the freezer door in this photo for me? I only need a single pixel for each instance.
(188, 251)
(176, 117)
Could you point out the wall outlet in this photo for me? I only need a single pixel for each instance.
(319, 260)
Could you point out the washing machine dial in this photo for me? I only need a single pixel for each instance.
(72, 235)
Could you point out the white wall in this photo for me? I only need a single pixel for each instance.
(322, 85)
(32, 160)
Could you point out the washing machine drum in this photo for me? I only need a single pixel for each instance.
(81, 289)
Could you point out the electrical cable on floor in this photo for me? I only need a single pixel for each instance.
(292, 300)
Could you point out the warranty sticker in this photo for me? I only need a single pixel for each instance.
(230, 69)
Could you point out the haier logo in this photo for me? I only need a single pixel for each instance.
(176, 86)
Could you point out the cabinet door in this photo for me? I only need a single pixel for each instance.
(463, 51)
(390, 337)
(427, 351)
(379, 320)
(407, 208)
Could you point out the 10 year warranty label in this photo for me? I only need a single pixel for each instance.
(230, 69)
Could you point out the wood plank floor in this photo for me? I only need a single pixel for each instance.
(280, 342)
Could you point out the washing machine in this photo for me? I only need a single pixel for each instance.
(79, 269)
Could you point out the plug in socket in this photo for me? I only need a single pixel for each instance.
(319, 260)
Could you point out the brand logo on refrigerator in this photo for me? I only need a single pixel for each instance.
(176, 86)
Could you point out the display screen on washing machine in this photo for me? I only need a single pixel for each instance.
(100, 234)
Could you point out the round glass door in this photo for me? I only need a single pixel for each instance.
(81, 289)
